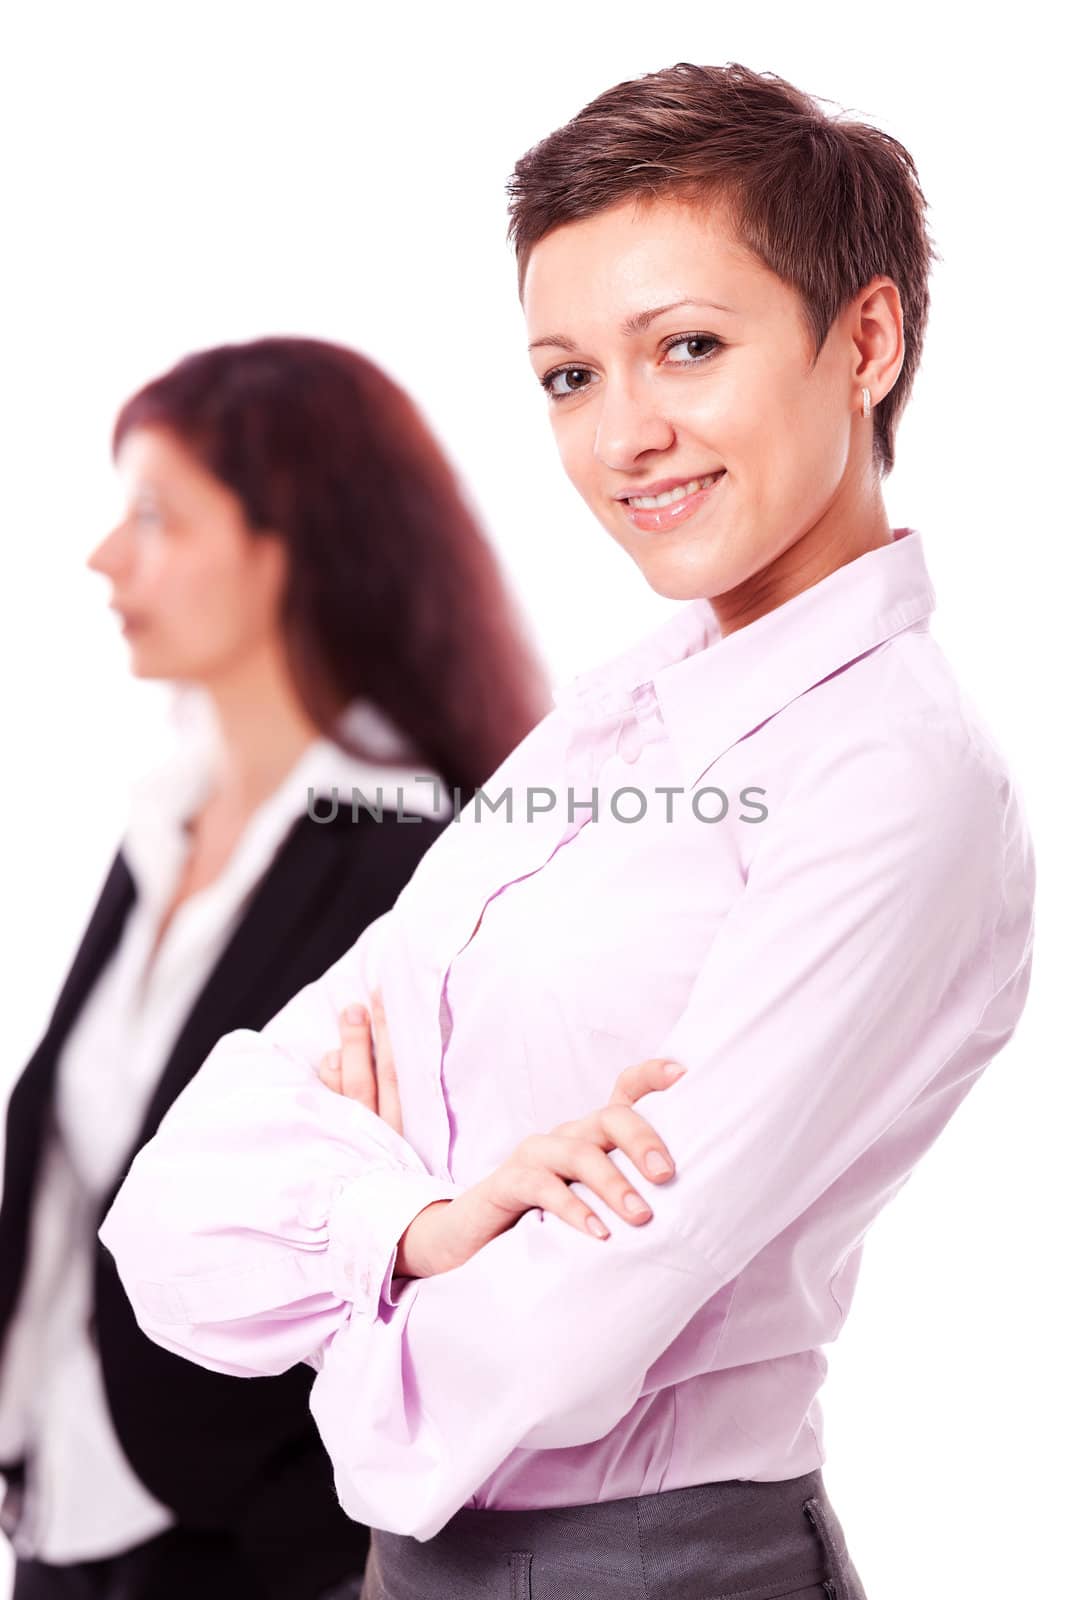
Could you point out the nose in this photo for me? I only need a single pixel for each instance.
(107, 556)
(630, 425)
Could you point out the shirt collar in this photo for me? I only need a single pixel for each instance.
(170, 791)
(711, 691)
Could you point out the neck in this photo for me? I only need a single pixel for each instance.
(840, 536)
(263, 731)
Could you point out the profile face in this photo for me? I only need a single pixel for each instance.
(195, 590)
(696, 392)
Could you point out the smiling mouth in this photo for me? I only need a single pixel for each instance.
(662, 513)
(646, 502)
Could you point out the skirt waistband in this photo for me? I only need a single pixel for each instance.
(733, 1540)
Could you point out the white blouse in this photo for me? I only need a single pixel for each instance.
(82, 1499)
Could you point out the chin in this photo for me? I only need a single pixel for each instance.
(143, 665)
(673, 584)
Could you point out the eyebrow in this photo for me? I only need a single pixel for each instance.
(638, 323)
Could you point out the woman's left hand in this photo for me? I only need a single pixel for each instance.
(363, 1067)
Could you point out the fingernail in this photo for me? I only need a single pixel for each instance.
(596, 1227)
(634, 1203)
(655, 1163)
(355, 1014)
(673, 1070)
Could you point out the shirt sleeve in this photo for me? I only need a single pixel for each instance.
(850, 978)
(245, 1228)
(878, 952)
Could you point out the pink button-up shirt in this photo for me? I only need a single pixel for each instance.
(791, 858)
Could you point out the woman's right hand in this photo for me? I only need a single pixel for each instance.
(448, 1232)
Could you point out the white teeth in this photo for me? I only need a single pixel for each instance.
(647, 502)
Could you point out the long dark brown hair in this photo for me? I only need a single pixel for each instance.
(827, 202)
(394, 591)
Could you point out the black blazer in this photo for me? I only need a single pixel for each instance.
(227, 1453)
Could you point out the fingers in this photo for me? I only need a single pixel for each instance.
(385, 1066)
(358, 1078)
(522, 1188)
(329, 1070)
(350, 1070)
(364, 1068)
(627, 1130)
(589, 1163)
(656, 1073)
(618, 1127)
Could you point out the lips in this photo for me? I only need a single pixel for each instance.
(127, 620)
(646, 491)
(657, 518)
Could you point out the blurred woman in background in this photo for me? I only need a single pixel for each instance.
(296, 554)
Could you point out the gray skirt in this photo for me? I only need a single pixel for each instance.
(735, 1540)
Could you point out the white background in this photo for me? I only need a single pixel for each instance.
(179, 176)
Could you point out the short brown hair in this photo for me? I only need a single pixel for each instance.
(826, 204)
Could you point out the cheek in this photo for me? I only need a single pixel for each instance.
(779, 435)
(204, 602)
(165, 583)
(237, 601)
(817, 444)
(728, 418)
(575, 434)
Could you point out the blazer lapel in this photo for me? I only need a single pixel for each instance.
(98, 942)
(31, 1097)
(241, 990)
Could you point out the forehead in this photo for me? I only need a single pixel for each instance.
(152, 452)
(642, 252)
(153, 459)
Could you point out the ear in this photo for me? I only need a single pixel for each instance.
(270, 553)
(877, 328)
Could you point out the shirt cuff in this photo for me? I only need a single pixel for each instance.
(368, 1217)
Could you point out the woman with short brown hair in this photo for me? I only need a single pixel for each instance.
(772, 841)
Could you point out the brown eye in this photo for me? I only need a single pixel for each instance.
(550, 382)
(688, 341)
